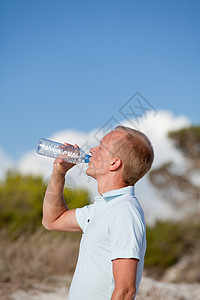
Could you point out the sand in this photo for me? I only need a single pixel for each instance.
(149, 289)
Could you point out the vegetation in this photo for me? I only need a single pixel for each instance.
(168, 242)
(187, 140)
(21, 200)
(28, 253)
(179, 185)
(37, 260)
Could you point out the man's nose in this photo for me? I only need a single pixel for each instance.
(92, 150)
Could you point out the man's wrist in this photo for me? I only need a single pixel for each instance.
(59, 173)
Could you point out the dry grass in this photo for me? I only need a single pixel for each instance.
(35, 258)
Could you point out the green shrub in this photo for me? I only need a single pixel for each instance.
(168, 241)
(21, 200)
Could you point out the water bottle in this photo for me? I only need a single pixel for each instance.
(58, 150)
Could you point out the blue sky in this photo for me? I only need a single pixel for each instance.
(73, 64)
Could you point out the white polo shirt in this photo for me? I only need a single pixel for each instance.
(113, 227)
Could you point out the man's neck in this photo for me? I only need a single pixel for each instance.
(109, 185)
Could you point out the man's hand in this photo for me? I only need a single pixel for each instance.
(61, 166)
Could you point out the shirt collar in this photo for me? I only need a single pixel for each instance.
(115, 193)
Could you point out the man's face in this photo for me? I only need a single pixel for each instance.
(102, 155)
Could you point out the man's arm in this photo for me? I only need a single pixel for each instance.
(56, 215)
(124, 272)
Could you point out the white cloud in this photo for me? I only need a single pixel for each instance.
(154, 207)
(155, 127)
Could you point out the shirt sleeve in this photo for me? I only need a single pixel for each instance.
(82, 215)
(127, 233)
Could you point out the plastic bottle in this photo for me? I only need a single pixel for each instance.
(58, 150)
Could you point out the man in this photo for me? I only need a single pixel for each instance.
(112, 249)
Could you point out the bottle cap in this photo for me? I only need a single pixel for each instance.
(87, 158)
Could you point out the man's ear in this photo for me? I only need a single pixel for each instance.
(115, 164)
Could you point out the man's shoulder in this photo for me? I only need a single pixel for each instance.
(127, 202)
(127, 208)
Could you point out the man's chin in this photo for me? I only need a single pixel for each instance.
(90, 173)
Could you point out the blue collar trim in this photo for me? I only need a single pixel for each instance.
(108, 196)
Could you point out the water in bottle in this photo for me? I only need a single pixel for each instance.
(58, 150)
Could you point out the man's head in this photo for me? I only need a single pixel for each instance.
(124, 152)
(103, 160)
(136, 153)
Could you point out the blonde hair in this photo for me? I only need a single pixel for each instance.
(136, 153)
